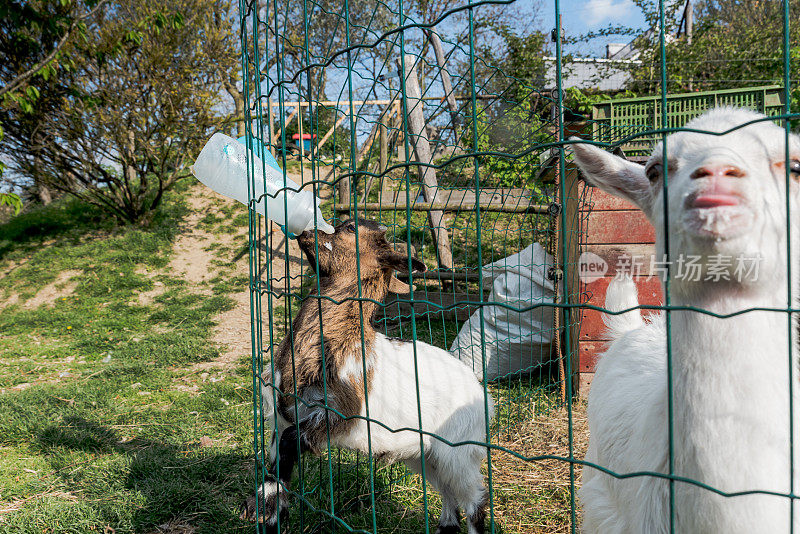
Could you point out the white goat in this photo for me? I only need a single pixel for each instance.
(331, 396)
(732, 409)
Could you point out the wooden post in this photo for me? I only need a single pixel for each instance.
(571, 271)
(689, 30)
(300, 133)
(384, 144)
(689, 21)
(344, 190)
(271, 133)
(422, 151)
(383, 163)
(447, 84)
(401, 136)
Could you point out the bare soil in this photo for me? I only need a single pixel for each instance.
(61, 287)
(195, 264)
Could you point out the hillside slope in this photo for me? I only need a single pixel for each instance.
(125, 384)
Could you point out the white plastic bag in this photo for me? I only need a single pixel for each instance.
(513, 342)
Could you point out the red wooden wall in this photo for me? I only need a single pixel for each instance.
(611, 228)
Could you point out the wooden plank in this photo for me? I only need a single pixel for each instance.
(383, 155)
(590, 352)
(649, 288)
(585, 380)
(595, 199)
(422, 150)
(441, 206)
(330, 132)
(337, 103)
(466, 195)
(592, 326)
(455, 302)
(445, 274)
(608, 227)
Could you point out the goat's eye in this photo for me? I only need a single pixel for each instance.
(655, 172)
(351, 228)
(794, 168)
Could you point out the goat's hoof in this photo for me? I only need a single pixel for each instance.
(251, 507)
(449, 529)
(261, 509)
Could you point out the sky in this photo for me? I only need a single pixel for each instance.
(583, 16)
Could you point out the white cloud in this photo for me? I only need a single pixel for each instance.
(602, 12)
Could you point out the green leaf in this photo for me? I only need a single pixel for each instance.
(12, 200)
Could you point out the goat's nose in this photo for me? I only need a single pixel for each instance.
(718, 171)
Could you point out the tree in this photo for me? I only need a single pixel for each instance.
(735, 43)
(141, 96)
(33, 36)
(37, 31)
(512, 71)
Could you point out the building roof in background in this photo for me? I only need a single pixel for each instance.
(609, 73)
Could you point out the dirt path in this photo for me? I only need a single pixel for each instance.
(196, 266)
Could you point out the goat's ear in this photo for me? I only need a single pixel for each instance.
(396, 286)
(399, 262)
(613, 174)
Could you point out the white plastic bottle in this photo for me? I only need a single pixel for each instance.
(222, 166)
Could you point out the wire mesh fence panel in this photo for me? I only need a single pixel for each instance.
(440, 341)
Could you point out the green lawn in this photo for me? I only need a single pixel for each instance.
(102, 423)
(107, 424)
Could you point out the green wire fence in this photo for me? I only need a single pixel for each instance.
(410, 122)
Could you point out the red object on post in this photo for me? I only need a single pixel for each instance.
(307, 138)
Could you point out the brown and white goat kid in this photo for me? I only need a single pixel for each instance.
(323, 359)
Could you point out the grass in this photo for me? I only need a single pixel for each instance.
(107, 425)
(530, 496)
(100, 425)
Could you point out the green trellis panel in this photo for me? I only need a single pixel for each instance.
(616, 120)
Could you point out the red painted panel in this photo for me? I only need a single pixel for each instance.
(596, 199)
(590, 352)
(604, 227)
(649, 290)
(592, 326)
